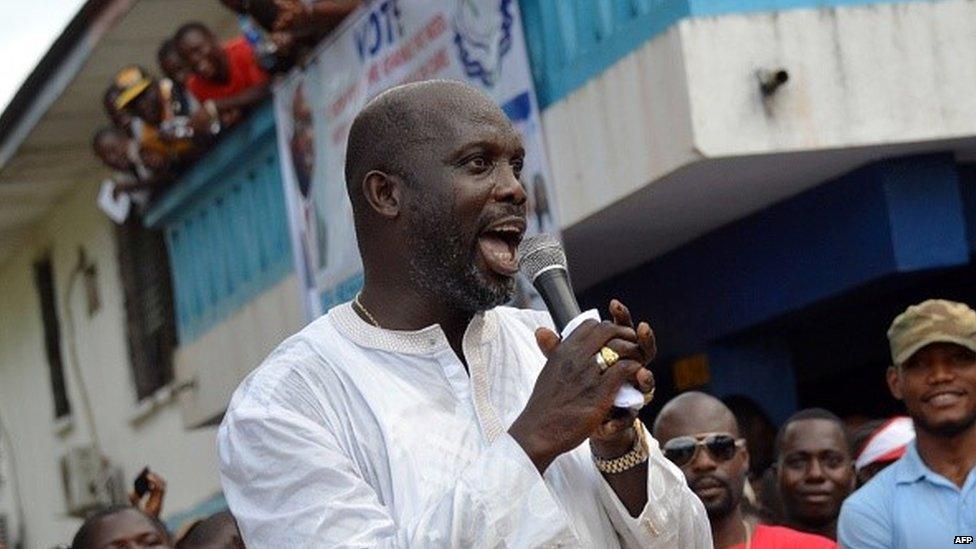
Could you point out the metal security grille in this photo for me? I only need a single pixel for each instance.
(150, 325)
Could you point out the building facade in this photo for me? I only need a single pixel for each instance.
(767, 181)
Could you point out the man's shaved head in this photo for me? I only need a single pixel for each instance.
(394, 131)
(686, 427)
(694, 412)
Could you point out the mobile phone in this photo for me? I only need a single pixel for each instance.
(141, 484)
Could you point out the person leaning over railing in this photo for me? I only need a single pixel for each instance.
(227, 79)
(169, 132)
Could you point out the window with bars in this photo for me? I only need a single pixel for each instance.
(150, 324)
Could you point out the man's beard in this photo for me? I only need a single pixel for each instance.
(717, 510)
(946, 429)
(444, 265)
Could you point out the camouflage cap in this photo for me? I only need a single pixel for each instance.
(932, 321)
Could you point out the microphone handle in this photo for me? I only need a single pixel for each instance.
(554, 287)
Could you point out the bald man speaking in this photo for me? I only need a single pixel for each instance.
(423, 413)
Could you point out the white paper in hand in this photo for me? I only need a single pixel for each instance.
(117, 209)
(628, 396)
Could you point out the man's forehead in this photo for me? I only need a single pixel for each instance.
(193, 37)
(122, 526)
(815, 434)
(696, 420)
(458, 130)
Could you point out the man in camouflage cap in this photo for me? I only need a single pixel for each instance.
(933, 350)
(932, 321)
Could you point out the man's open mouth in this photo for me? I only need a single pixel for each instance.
(498, 244)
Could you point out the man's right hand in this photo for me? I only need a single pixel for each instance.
(572, 398)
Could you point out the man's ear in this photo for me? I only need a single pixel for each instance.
(383, 193)
(894, 382)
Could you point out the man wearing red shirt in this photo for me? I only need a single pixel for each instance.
(699, 434)
(226, 79)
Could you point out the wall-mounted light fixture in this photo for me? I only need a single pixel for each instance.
(771, 80)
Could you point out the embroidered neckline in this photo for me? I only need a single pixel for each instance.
(482, 329)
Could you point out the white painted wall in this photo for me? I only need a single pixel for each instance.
(186, 458)
(676, 140)
(220, 359)
(621, 130)
(859, 76)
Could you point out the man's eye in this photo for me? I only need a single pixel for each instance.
(796, 463)
(517, 166)
(962, 358)
(478, 162)
(834, 460)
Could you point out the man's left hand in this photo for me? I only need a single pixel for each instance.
(615, 436)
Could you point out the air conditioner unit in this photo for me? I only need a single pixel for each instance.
(90, 481)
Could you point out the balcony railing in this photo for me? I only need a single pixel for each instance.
(226, 226)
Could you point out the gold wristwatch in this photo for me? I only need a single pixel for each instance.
(637, 455)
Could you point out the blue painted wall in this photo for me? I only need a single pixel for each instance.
(757, 367)
(730, 292)
(572, 41)
(226, 227)
(886, 218)
(967, 190)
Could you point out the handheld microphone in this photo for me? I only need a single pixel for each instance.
(543, 261)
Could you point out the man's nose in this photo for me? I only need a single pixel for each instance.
(703, 461)
(815, 472)
(940, 372)
(509, 188)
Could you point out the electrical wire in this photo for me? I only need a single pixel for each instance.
(73, 352)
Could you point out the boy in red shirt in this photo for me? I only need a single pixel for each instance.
(227, 79)
(699, 434)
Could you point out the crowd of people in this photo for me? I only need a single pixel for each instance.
(824, 483)
(159, 125)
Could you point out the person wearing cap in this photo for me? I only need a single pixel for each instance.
(877, 444)
(165, 133)
(928, 497)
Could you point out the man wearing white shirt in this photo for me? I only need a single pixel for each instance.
(422, 414)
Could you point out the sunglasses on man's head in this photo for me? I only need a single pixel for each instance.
(721, 446)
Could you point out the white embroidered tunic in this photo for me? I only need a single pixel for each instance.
(349, 435)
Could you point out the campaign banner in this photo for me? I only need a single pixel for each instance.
(383, 44)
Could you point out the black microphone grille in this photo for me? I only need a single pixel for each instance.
(539, 252)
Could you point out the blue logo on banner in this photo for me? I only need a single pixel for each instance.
(483, 35)
(519, 108)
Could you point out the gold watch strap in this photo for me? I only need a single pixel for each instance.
(637, 455)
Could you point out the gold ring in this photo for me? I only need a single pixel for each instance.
(609, 356)
(649, 396)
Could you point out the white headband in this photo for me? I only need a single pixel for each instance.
(888, 443)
